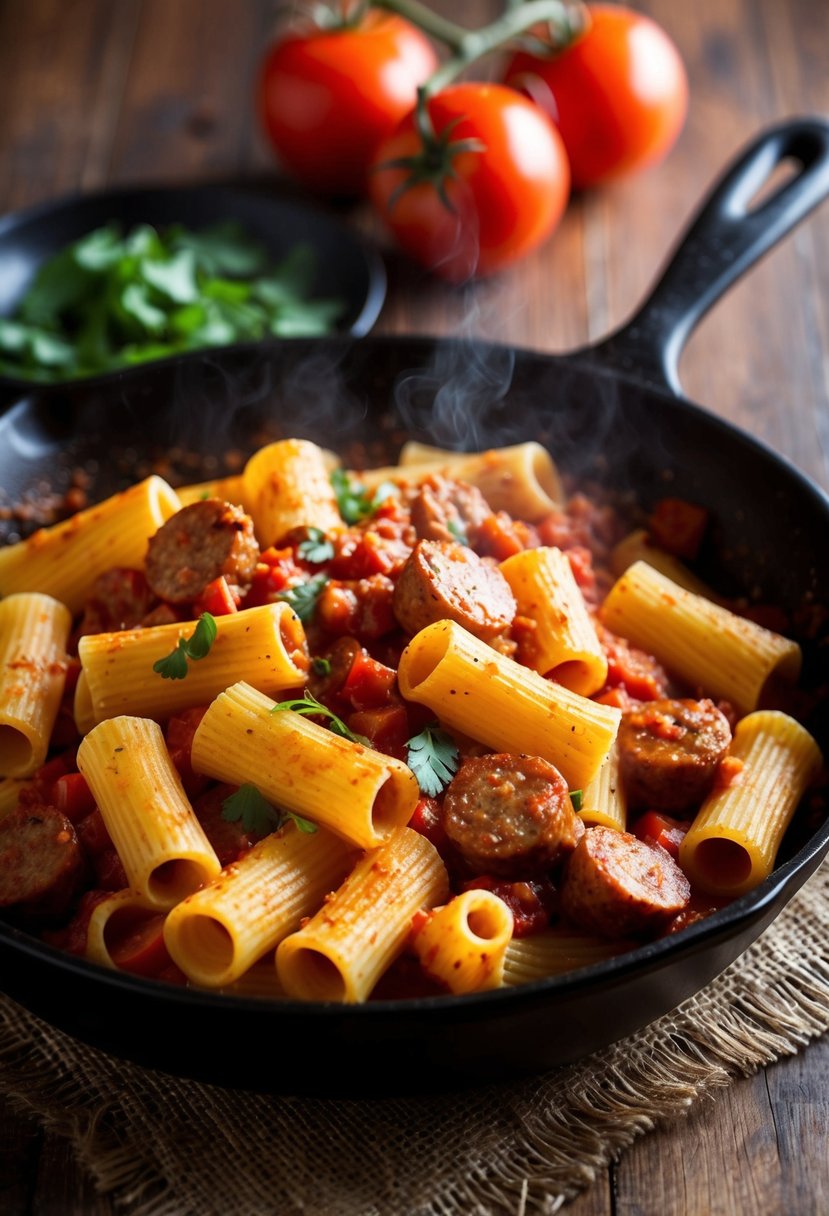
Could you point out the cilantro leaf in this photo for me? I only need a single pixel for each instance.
(354, 501)
(577, 799)
(197, 646)
(317, 548)
(433, 758)
(310, 707)
(303, 598)
(321, 666)
(257, 815)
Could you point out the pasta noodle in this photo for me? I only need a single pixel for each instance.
(357, 792)
(33, 633)
(492, 698)
(286, 485)
(463, 943)
(342, 951)
(703, 643)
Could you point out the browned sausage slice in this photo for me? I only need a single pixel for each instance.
(669, 752)
(615, 885)
(510, 815)
(199, 543)
(41, 862)
(442, 581)
(448, 510)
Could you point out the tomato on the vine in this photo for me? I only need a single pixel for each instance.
(489, 187)
(328, 96)
(618, 93)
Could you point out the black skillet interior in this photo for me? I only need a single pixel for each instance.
(597, 419)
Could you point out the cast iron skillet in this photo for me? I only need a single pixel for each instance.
(614, 409)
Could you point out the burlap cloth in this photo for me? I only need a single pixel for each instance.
(163, 1147)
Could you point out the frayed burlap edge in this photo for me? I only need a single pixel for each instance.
(163, 1147)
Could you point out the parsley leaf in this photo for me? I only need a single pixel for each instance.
(258, 816)
(303, 598)
(433, 758)
(197, 646)
(321, 666)
(354, 501)
(317, 548)
(577, 799)
(310, 707)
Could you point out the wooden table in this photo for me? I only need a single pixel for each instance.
(94, 92)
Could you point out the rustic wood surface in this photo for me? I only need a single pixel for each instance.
(95, 93)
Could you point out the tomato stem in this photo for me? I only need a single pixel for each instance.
(562, 19)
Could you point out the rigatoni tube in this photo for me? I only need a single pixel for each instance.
(286, 485)
(33, 633)
(65, 559)
(732, 844)
(265, 646)
(217, 934)
(463, 943)
(703, 643)
(489, 697)
(340, 954)
(156, 834)
(361, 794)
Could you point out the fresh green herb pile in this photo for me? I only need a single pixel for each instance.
(111, 300)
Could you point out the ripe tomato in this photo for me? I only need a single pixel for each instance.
(469, 211)
(618, 93)
(327, 97)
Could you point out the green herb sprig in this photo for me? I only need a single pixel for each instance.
(258, 816)
(433, 758)
(303, 598)
(310, 707)
(197, 646)
(354, 501)
(316, 548)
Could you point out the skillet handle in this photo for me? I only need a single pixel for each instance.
(724, 239)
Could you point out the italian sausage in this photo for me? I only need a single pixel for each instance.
(510, 815)
(41, 861)
(199, 543)
(615, 885)
(448, 510)
(443, 581)
(669, 752)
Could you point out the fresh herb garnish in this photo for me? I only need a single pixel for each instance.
(433, 758)
(317, 548)
(457, 530)
(303, 598)
(354, 501)
(321, 666)
(310, 707)
(197, 646)
(577, 799)
(258, 816)
(113, 299)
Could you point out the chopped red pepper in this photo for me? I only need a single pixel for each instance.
(369, 683)
(72, 795)
(655, 828)
(218, 598)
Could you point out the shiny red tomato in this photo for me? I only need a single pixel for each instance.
(474, 209)
(327, 97)
(618, 93)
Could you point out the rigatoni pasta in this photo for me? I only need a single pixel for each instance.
(463, 943)
(33, 633)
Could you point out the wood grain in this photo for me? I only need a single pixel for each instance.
(94, 93)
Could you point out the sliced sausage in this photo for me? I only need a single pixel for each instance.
(616, 885)
(199, 543)
(669, 752)
(445, 581)
(510, 815)
(41, 861)
(448, 510)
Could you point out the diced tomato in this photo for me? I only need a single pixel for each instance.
(276, 570)
(369, 684)
(500, 536)
(359, 555)
(110, 874)
(362, 609)
(655, 828)
(218, 598)
(44, 778)
(72, 795)
(137, 944)
(639, 673)
(93, 834)
(179, 739)
(532, 903)
(387, 728)
(678, 526)
(427, 819)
